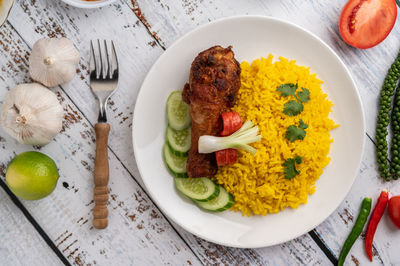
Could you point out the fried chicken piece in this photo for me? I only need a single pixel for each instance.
(213, 85)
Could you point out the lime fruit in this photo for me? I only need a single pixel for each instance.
(32, 175)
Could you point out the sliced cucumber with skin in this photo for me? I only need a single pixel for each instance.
(179, 140)
(199, 189)
(221, 203)
(177, 111)
(176, 164)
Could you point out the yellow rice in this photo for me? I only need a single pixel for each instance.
(258, 183)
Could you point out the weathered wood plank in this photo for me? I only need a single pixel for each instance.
(20, 243)
(139, 52)
(138, 233)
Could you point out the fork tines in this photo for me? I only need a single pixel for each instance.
(101, 65)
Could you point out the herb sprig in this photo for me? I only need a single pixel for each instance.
(294, 132)
(294, 107)
(290, 167)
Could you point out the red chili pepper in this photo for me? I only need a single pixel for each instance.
(374, 220)
(226, 157)
(231, 122)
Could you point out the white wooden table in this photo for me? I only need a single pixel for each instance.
(58, 229)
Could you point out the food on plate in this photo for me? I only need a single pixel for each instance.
(200, 189)
(32, 175)
(233, 136)
(290, 167)
(294, 107)
(260, 184)
(179, 140)
(226, 157)
(177, 111)
(213, 84)
(31, 114)
(53, 61)
(394, 210)
(203, 191)
(231, 122)
(175, 163)
(294, 132)
(286, 121)
(376, 216)
(364, 24)
(385, 101)
(222, 202)
(238, 140)
(5, 9)
(356, 231)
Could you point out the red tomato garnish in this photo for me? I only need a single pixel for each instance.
(394, 210)
(226, 157)
(365, 23)
(231, 122)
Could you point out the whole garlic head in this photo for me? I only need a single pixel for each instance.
(53, 61)
(31, 114)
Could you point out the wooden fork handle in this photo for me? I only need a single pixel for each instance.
(101, 176)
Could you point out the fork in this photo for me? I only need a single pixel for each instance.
(103, 83)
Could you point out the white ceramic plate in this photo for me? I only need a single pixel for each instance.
(251, 38)
(89, 4)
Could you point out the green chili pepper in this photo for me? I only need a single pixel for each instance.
(357, 229)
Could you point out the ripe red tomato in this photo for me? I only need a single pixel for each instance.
(394, 210)
(365, 23)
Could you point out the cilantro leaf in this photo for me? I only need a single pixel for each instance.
(298, 159)
(302, 125)
(292, 108)
(287, 89)
(304, 95)
(293, 132)
(290, 167)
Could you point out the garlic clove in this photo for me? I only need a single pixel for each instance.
(53, 61)
(5, 9)
(31, 114)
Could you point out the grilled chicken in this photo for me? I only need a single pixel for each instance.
(213, 85)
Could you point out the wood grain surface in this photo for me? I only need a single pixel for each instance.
(101, 176)
(138, 233)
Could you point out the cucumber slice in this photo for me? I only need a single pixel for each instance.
(177, 111)
(199, 189)
(176, 164)
(221, 203)
(179, 140)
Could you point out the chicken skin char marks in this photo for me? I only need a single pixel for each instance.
(213, 85)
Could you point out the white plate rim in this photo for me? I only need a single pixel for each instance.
(357, 94)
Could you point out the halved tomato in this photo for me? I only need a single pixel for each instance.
(365, 23)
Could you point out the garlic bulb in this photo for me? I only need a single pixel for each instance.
(5, 9)
(31, 114)
(53, 61)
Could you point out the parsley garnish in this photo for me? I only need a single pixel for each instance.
(304, 95)
(294, 132)
(294, 107)
(287, 89)
(290, 167)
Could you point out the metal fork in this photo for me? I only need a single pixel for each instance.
(103, 82)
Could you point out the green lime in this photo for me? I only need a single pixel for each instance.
(32, 175)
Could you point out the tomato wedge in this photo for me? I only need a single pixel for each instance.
(231, 123)
(365, 23)
(226, 157)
